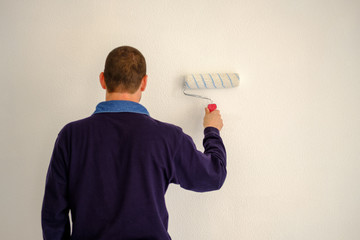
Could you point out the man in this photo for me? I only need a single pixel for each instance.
(112, 169)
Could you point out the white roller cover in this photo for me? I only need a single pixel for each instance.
(212, 80)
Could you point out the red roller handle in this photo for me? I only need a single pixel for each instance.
(212, 107)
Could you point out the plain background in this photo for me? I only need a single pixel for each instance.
(291, 129)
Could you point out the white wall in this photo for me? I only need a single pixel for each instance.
(291, 129)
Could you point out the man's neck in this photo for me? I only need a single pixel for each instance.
(123, 96)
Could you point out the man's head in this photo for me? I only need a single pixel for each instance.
(125, 69)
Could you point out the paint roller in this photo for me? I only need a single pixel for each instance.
(210, 81)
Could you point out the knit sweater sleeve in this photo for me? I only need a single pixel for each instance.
(55, 209)
(199, 171)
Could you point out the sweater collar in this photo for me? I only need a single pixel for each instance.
(114, 106)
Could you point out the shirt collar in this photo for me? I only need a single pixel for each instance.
(120, 106)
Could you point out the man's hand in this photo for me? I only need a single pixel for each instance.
(213, 119)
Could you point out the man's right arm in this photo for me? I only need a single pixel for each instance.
(199, 171)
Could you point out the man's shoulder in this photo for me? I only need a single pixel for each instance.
(166, 125)
(76, 124)
(79, 122)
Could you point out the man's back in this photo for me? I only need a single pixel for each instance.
(113, 169)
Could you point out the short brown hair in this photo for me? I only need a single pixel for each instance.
(124, 68)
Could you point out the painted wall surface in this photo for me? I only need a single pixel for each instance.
(292, 128)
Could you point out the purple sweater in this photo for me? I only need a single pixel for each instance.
(112, 169)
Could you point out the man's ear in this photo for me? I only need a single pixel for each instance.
(143, 83)
(102, 80)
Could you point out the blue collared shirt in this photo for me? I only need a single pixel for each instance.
(120, 106)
